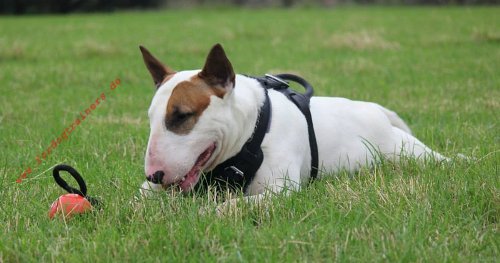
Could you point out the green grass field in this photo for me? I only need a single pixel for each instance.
(437, 67)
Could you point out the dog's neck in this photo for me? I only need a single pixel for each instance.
(245, 102)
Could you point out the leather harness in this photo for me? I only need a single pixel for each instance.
(238, 171)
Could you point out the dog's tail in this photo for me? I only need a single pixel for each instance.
(395, 120)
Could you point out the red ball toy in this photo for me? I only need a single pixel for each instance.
(68, 205)
(77, 201)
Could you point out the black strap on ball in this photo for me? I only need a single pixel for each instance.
(64, 184)
(81, 183)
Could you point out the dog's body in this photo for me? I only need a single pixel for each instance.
(350, 134)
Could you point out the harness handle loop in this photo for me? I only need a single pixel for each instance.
(308, 87)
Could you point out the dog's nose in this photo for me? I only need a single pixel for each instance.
(156, 178)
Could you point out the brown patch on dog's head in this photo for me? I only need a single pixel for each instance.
(159, 72)
(190, 98)
(186, 104)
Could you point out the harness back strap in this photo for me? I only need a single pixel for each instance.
(302, 101)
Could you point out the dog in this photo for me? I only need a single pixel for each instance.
(200, 118)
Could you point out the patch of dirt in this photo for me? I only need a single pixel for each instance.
(361, 41)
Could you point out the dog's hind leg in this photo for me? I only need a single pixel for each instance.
(394, 119)
(409, 146)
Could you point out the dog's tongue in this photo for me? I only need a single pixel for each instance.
(191, 178)
(193, 175)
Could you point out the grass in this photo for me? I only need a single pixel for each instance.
(437, 67)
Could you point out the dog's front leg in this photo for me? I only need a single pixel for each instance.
(148, 188)
(284, 186)
(231, 207)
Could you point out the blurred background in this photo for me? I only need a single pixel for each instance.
(69, 6)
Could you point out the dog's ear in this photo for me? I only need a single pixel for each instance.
(158, 71)
(218, 70)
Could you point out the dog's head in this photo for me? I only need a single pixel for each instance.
(184, 117)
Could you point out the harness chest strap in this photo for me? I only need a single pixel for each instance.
(239, 170)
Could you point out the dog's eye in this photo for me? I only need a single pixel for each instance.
(178, 117)
(181, 116)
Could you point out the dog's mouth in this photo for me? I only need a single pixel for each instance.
(191, 178)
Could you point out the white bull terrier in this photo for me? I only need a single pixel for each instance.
(200, 118)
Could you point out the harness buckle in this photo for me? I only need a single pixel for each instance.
(279, 80)
(235, 170)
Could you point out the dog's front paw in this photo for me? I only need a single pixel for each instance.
(228, 208)
(205, 210)
(225, 209)
(219, 210)
(147, 189)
